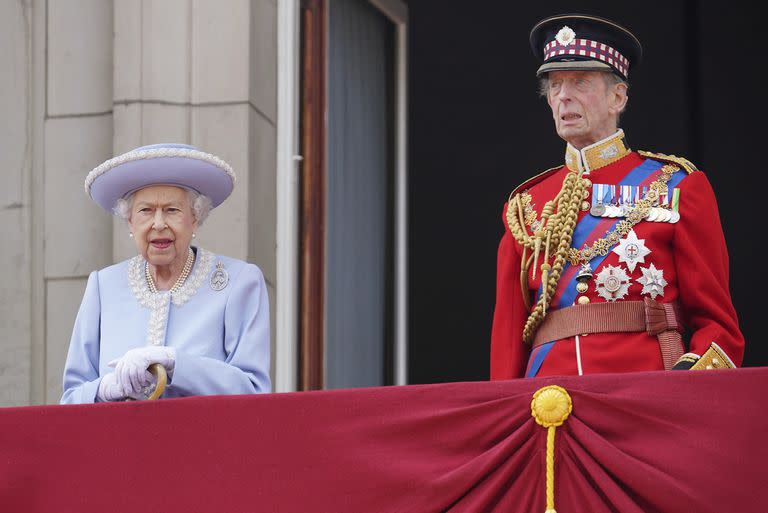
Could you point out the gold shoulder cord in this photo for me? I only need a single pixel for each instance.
(558, 220)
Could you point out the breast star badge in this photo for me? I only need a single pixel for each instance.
(612, 283)
(631, 250)
(653, 281)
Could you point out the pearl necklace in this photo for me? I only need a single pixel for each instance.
(182, 277)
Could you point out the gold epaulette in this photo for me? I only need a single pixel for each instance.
(685, 164)
(533, 180)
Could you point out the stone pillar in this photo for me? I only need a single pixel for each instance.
(77, 137)
(15, 203)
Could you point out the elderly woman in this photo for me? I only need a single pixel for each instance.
(204, 317)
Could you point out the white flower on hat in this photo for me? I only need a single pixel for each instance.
(566, 36)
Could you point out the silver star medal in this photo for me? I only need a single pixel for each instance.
(653, 281)
(612, 283)
(631, 250)
(219, 277)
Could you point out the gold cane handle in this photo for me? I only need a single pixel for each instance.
(158, 371)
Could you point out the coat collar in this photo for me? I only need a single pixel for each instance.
(596, 155)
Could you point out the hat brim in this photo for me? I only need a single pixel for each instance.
(585, 65)
(122, 179)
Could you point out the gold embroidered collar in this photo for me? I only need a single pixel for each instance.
(596, 155)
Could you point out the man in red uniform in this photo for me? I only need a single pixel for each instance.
(608, 260)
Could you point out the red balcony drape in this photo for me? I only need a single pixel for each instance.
(647, 442)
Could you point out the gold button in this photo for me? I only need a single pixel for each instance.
(585, 205)
(583, 300)
(715, 362)
(709, 367)
(587, 182)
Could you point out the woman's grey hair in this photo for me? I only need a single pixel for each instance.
(200, 203)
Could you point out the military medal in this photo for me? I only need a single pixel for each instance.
(626, 198)
(653, 281)
(664, 198)
(598, 209)
(675, 206)
(631, 250)
(612, 283)
(585, 274)
(219, 277)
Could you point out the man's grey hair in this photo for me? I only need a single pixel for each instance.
(610, 78)
(200, 203)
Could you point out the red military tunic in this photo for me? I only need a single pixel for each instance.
(690, 255)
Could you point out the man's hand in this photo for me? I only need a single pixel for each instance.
(131, 370)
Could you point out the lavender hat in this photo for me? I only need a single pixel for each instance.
(160, 164)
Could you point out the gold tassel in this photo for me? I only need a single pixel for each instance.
(536, 251)
(545, 267)
(550, 407)
(524, 279)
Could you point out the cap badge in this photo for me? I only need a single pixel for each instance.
(566, 36)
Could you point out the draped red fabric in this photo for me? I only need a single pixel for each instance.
(644, 442)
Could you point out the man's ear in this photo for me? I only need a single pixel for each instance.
(618, 98)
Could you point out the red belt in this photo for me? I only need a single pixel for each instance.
(656, 319)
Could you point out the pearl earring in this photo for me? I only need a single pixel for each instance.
(193, 235)
(130, 235)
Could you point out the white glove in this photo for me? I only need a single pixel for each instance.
(131, 370)
(110, 389)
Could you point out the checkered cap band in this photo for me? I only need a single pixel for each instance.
(589, 49)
